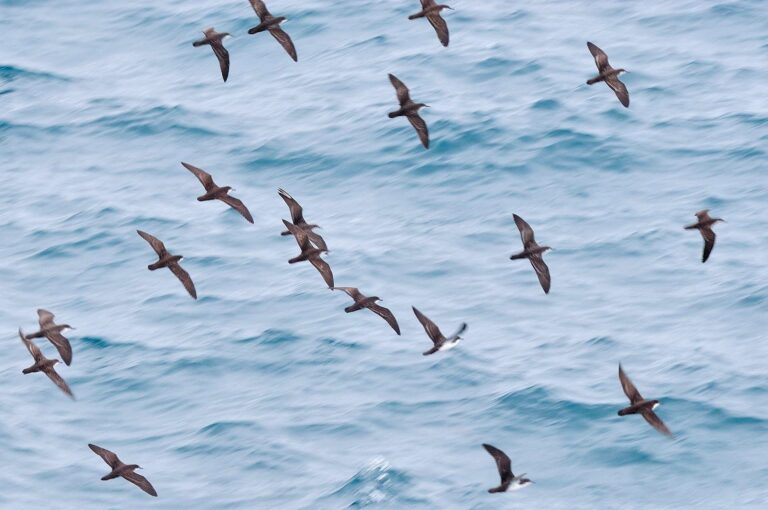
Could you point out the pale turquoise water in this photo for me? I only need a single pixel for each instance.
(263, 394)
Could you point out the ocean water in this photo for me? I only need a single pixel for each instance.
(264, 394)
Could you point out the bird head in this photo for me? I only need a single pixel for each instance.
(524, 480)
(655, 404)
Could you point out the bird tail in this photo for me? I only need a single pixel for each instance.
(353, 308)
(201, 42)
(517, 256)
(416, 16)
(594, 80)
(431, 351)
(392, 115)
(299, 258)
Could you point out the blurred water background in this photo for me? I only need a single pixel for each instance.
(264, 394)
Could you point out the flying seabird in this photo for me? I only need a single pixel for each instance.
(362, 301)
(214, 192)
(533, 252)
(639, 405)
(608, 74)
(704, 225)
(119, 468)
(410, 109)
(44, 365)
(216, 41)
(509, 482)
(272, 24)
(310, 253)
(297, 217)
(431, 10)
(441, 343)
(52, 332)
(165, 259)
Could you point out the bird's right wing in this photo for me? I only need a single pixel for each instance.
(440, 26)
(619, 89)
(62, 345)
(403, 96)
(709, 241)
(629, 389)
(503, 463)
(184, 278)
(261, 9)
(45, 318)
(352, 292)
(421, 128)
(387, 315)
(141, 482)
(154, 242)
(601, 59)
(300, 235)
(542, 271)
(655, 421)
(204, 177)
(223, 55)
(324, 269)
(430, 327)
(33, 349)
(54, 376)
(285, 41)
(109, 457)
(239, 206)
(318, 240)
(526, 232)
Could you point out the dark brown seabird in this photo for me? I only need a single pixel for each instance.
(362, 301)
(410, 109)
(216, 41)
(704, 226)
(297, 217)
(533, 252)
(166, 259)
(272, 24)
(119, 468)
(214, 192)
(431, 10)
(310, 253)
(639, 405)
(44, 365)
(52, 332)
(509, 482)
(608, 74)
(441, 342)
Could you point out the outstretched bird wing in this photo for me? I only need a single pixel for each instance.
(352, 292)
(141, 482)
(421, 128)
(155, 243)
(440, 26)
(428, 3)
(297, 212)
(204, 177)
(324, 269)
(709, 241)
(184, 278)
(33, 349)
(526, 232)
(62, 345)
(629, 389)
(655, 421)
(403, 95)
(300, 235)
(54, 376)
(503, 463)
(109, 457)
(45, 318)
(261, 10)
(387, 315)
(430, 327)
(285, 41)
(318, 240)
(601, 59)
(542, 271)
(223, 55)
(619, 88)
(238, 206)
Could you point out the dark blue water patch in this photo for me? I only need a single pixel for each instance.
(602, 341)
(220, 428)
(271, 337)
(618, 456)
(153, 121)
(11, 73)
(546, 105)
(374, 486)
(535, 405)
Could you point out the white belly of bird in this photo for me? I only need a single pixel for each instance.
(447, 346)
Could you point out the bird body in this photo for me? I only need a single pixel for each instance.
(704, 226)
(369, 302)
(440, 341)
(272, 25)
(44, 365)
(215, 192)
(509, 482)
(215, 40)
(297, 218)
(52, 331)
(166, 259)
(120, 469)
(533, 252)
(310, 253)
(409, 109)
(639, 405)
(430, 9)
(609, 75)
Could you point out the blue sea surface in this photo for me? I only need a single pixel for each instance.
(263, 393)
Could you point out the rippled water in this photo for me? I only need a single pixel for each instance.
(264, 393)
